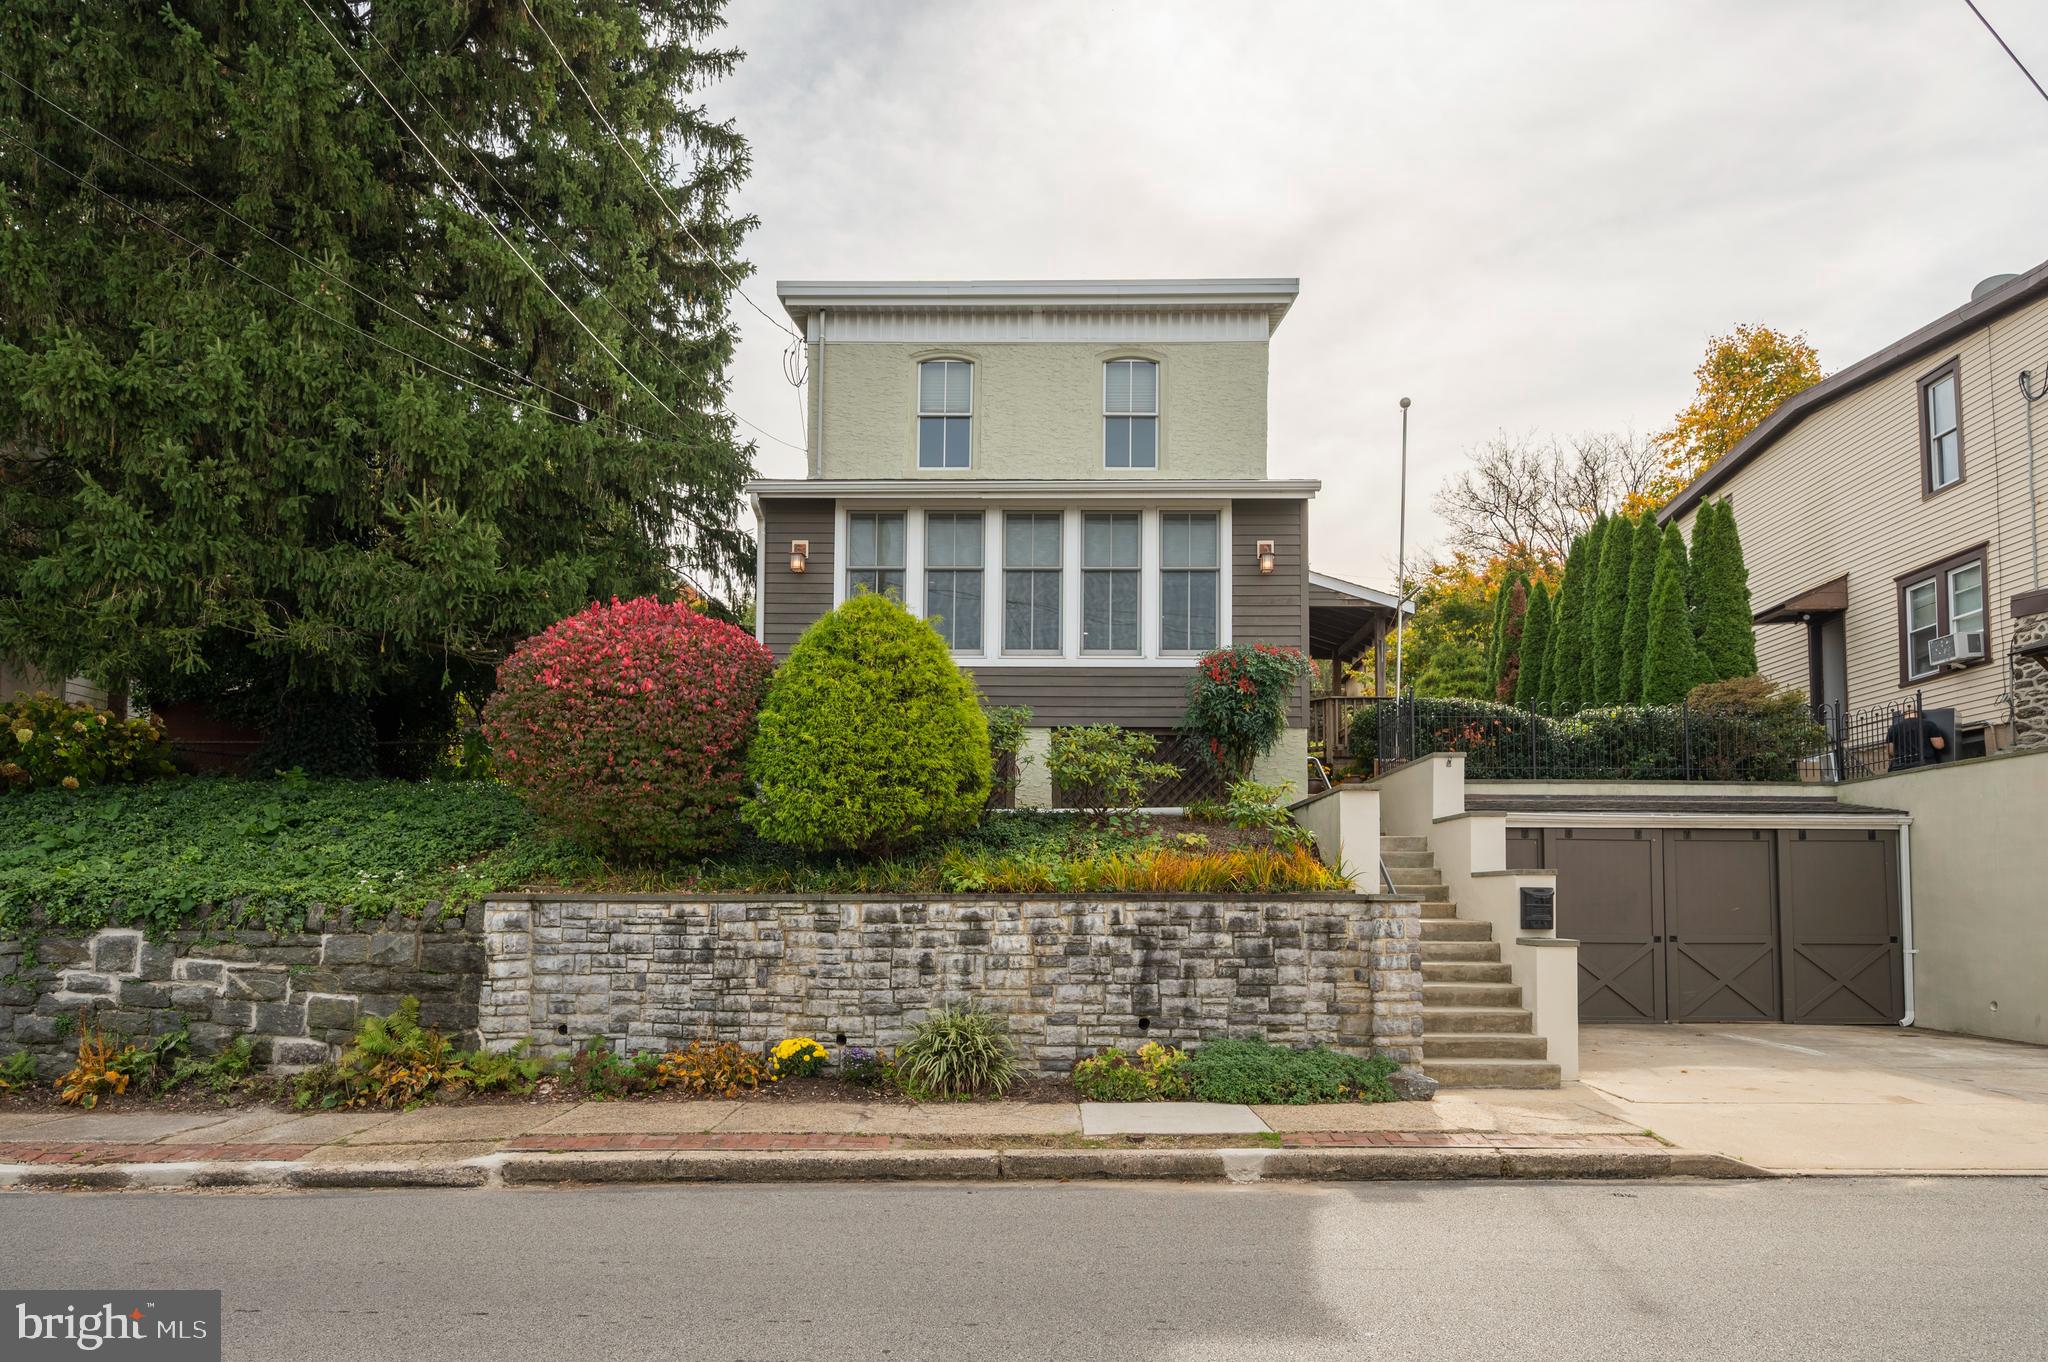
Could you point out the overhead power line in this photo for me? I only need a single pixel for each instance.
(2008, 48)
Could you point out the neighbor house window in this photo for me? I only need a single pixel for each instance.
(1941, 430)
(1947, 598)
(1130, 414)
(952, 578)
(874, 552)
(1109, 583)
(1031, 582)
(1189, 557)
(945, 413)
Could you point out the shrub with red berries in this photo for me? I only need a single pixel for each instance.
(1237, 703)
(626, 726)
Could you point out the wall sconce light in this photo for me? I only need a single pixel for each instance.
(799, 555)
(1266, 559)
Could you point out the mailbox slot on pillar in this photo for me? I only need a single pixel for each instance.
(1539, 908)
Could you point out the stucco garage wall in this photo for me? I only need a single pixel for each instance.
(1980, 891)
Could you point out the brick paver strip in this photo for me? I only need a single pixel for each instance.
(105, 1151)
(1459, 1139)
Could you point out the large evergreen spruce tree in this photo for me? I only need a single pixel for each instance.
(330, 456)
(1635, 628)
(1671, 660)
(1610, 611)
(1563, 667)
(1531, 688)
(1589, 613)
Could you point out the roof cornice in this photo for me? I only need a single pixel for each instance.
(1237, 489)
(2015, 293)
(801, 297)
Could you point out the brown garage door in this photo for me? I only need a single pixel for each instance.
(1700, 924)
(1839, 896)
(1607, 897)
(1720, 926)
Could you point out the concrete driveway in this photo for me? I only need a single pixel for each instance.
(1826, 1099)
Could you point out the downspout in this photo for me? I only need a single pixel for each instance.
(1906, 914)
(2033, 503)
(818, 425)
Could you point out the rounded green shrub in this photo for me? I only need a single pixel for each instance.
(870, 737)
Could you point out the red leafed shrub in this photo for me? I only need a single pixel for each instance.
(627, 725)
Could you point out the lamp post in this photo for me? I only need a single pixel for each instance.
(1401, 556)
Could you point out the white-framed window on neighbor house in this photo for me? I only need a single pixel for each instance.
(1130, 414)
(952, 577)
(1190, 561)
(1946, 598)
(1110, 565)
(875, 543)
(1941, 430)
(1031, 582)
(945, 413)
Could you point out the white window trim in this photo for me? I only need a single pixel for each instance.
(1081, 594)
(1222, 581)
(918, 513)
(1948, 585)
(992, 653)
(918, 413)
(1939, 581)
(1158, 421)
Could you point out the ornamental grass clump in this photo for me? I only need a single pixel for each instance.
(1237, 703)
(626, 725)
(870, 738)
(958, 1052)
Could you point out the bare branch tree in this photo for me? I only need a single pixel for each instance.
(1542, 493)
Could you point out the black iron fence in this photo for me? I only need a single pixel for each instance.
(1678, 743)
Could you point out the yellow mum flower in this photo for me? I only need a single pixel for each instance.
(71, 782)
(22, 735)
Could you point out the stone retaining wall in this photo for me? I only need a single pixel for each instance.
(1071, 975)
(299, 993)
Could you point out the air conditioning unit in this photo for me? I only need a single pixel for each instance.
(1955, 650)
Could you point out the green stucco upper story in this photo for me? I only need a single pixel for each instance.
(1121, 380)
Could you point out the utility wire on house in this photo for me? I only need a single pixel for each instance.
(2008, 48)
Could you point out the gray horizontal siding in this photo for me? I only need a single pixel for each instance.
(1271, 607)
(1135, 697)
(793, 602)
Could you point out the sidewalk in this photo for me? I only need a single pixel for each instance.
(1482, 1135)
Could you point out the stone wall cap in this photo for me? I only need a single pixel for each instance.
(1546, 941)
(528, 896)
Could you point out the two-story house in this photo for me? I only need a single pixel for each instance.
(1067, 478)
(1892, 518)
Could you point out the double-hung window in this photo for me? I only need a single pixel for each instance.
(1947, 598)
(1109, 582)
(1031, 582)
(1941, 432)
(874, 552)
(952, 578)
(1130, 414)
(945, 413)
(1189, 561)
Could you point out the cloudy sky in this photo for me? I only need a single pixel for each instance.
(1525, 216)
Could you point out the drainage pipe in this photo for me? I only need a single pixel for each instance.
(2033, 504)
(1907, 950)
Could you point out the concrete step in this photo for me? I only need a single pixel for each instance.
(1465, 972)
(1428, 893)
(1458, 950)
(1455, 929)
(1470, 995)
(1399, 860)
(1490, 1073)
(1493, 1021)
(1439, 909)
(1482, 1045)
(1391, 843)
(1405, 875)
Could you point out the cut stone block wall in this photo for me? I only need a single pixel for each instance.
(2030, 675)
(1070, 975)
(299, 993)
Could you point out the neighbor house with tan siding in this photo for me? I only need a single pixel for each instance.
(1891, 523)
(1068, 479)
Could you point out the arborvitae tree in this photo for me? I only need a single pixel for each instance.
(1513, 620)
(1635, 626)
(1589, 603)
(1721, 616)
(285, 416)
(1566, 628)
(1610, 611)
(1494, 638)
(1699, 553)
(1531, 690)
(1671, 660)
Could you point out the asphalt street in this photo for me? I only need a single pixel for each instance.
(1826, 1268)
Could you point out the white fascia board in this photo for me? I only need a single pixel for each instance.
(1678, 819)
(800, 297)
(912, 489)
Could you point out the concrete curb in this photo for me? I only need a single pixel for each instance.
(909, 1165)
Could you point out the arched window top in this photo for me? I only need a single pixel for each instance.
(1130, 413)
(945, 413)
